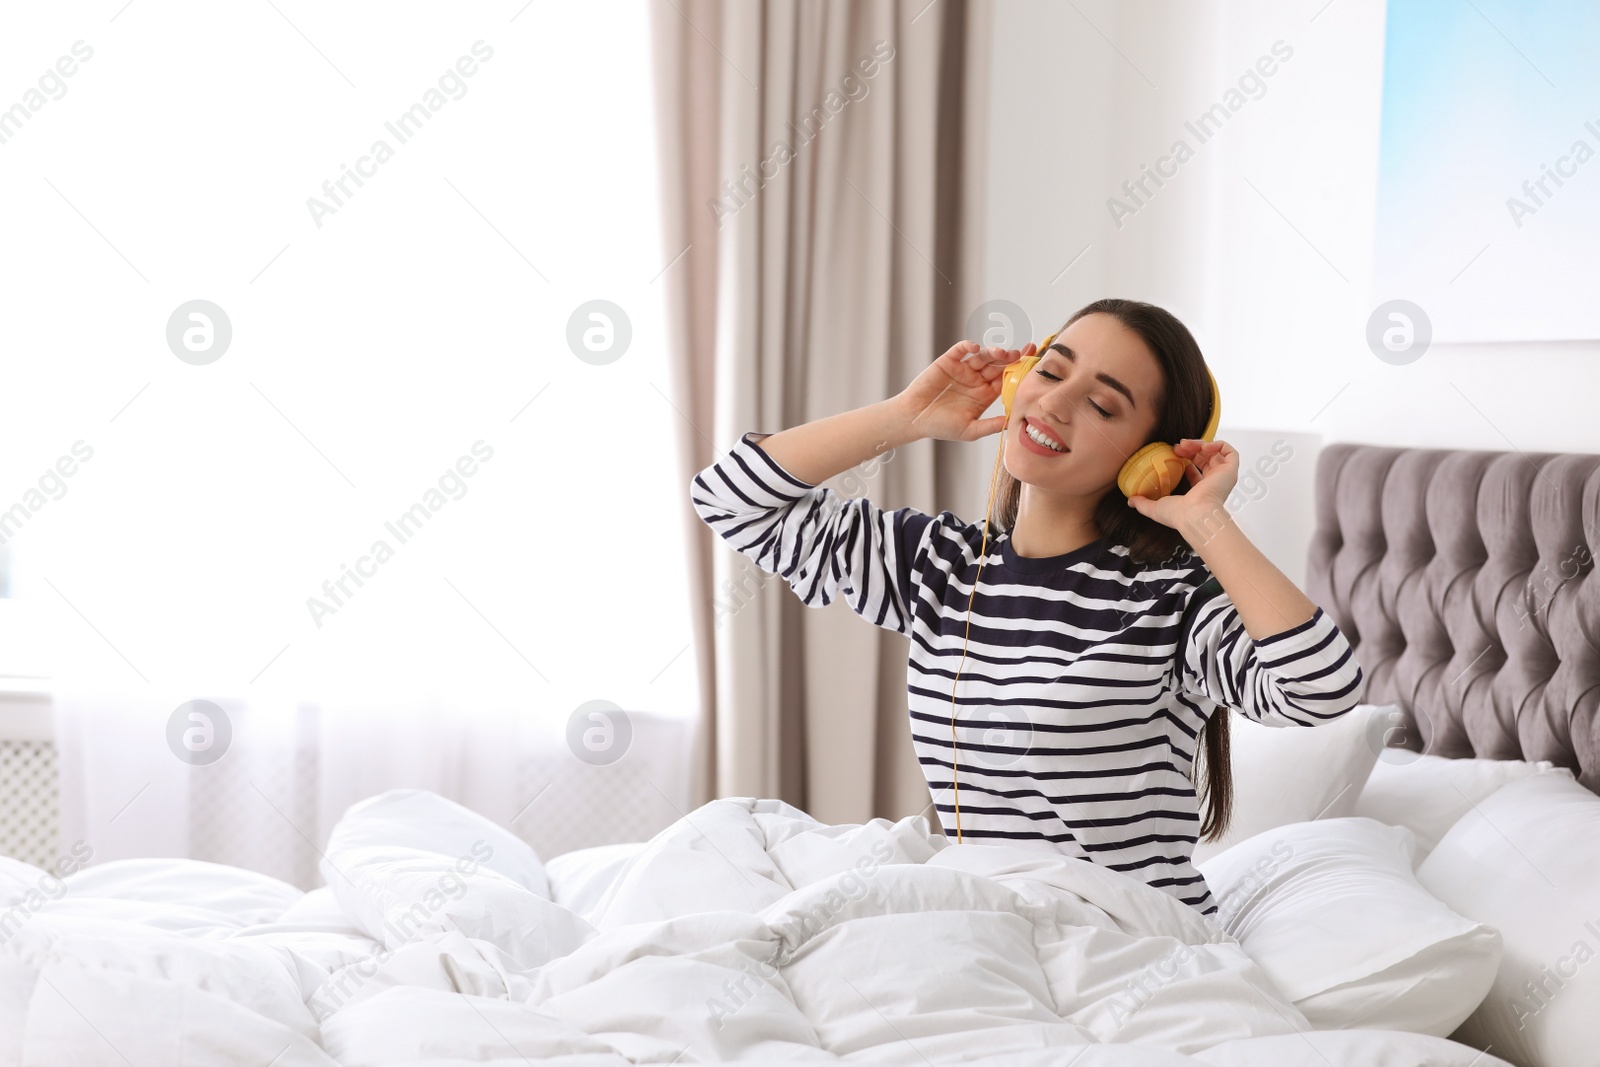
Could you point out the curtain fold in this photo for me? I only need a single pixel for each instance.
(822, 167)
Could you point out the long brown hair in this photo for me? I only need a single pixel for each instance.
(1183, 408)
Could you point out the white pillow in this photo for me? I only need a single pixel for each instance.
(1333, 913)
(1527, 860)
(1427, 794)
(1290, 774)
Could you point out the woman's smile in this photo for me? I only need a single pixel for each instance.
(1023, 435)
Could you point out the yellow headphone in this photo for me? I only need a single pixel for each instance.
(1154, 471)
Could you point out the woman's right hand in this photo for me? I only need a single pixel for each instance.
(947, 400)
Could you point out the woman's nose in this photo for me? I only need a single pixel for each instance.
(1058, 403)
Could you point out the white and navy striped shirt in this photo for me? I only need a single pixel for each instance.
(1076, 723)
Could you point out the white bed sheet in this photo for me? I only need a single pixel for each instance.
(745, 931)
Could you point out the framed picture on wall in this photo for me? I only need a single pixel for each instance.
(1488, 203)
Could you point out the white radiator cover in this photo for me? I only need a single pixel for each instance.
(30, 793)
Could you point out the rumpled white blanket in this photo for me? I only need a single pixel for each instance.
(745, 931)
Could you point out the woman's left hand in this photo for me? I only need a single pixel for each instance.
(1212, 471)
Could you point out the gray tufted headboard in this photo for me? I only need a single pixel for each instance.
(1465, 582)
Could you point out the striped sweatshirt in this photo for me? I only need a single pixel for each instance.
(1087, 676)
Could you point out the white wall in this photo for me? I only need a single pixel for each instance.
(1261, 243)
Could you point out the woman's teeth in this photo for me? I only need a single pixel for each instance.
(1039, 438)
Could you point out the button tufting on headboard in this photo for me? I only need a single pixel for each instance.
(1465, 582)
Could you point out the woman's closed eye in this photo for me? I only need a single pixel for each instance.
(1104, 414)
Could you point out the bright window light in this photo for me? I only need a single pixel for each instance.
(420, 461)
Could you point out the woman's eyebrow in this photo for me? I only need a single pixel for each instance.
(1099, 375)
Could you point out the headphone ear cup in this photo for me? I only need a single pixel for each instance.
(1012, 377)
(1154, 471)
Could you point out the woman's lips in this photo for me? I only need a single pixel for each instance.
(1033, 446)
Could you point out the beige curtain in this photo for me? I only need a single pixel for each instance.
(821, 169)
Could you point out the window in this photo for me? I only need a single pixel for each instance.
(407, 466)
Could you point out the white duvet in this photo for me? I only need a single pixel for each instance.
(745, 931)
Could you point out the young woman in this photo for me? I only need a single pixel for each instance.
(1106, 635)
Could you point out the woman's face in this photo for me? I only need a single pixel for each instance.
(1092, 391)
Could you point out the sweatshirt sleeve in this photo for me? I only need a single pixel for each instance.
(822, 543)
(1306, 675)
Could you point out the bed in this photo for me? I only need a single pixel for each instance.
(1396, 883)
